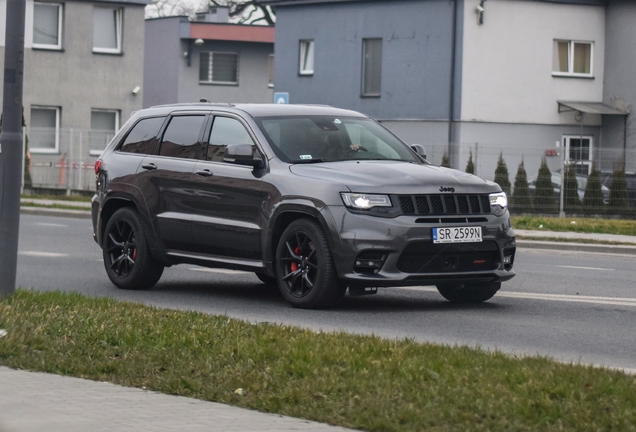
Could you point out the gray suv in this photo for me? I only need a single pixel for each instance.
(314, 199)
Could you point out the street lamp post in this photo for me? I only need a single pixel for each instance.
(11, 145)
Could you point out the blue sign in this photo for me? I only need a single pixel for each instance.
(281, 98)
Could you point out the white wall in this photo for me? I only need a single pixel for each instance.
(28, 26)
(507, 61)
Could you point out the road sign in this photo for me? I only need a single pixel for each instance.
(281, 98)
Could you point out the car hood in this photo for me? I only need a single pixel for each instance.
(390, 177)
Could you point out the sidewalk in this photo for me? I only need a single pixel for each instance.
(34, 401)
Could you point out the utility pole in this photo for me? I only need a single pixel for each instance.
(11, 145)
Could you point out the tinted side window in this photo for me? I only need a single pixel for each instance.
(226, 131)
(143, 136)
(181, 138)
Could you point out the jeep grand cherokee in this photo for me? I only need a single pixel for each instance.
(314, 199)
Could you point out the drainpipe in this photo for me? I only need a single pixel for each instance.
(452, 149)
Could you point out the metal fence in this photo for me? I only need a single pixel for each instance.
(582, 179)
(64, 160)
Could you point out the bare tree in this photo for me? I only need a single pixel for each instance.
(164, 8)
(248, 11)
(241, 11)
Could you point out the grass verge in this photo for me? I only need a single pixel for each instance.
(575, 240)
(355, 381)
(584, 225)
(53, 206)
(76, 198)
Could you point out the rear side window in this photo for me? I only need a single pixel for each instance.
(226, 131)
(181, 138)
(143, 136)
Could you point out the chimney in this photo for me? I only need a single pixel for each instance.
(216, 14)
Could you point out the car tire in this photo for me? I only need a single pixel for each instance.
(127, 258)
(267, 280)
(469, 293)
(305, 270)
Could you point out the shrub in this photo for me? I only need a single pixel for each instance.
(593, 197)
(521, 201)
(571, 202)
(445, 161)
(501, 175)
(470, 166)
(618, 199)
(544, 191)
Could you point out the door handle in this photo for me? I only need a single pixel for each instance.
(204, 172)
(149, 166)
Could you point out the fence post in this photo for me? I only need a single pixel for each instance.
(476, 158)
(69, 180)
(561, 210)
(23, 158)
(80, 163)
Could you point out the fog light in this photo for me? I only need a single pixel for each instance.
(370, 261)
(507, 259)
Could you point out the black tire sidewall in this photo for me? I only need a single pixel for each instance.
(326, 288)
(469, 293)
(145, 272)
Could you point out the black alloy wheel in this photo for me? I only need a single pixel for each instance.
(121, 247)
(126, 253)
(304, 267)
(469, 293)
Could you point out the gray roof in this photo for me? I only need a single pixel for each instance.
(590, 108)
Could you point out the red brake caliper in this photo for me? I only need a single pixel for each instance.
(293, 266)
(134, 254)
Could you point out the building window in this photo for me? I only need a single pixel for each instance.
(371, 66)
(47, 25)
(107, 30)
(306, 57)
(270, 69)
(44, 133)
(218, 68)
(572, 58)
(104, 125)
(578, 150)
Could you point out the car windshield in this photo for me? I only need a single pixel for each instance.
(312, 139)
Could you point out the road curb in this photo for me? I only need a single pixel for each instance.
(580, 247)
(45, 211)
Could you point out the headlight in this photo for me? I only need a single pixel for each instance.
(365, 201)
(498, 203)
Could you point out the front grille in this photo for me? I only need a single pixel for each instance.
(426, 257)
(444, 204)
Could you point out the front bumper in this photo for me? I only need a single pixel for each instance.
(388, 241)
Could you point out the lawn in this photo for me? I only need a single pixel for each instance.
(356, 381)
(583, 225)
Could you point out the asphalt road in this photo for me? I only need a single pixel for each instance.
(572, 306)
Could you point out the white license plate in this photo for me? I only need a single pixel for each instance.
(457, 235)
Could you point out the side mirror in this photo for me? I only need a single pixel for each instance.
(419, 149)
(243, 154)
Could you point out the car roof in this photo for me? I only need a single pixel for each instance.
(254, 110)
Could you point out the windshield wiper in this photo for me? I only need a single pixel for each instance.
(310, 161)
